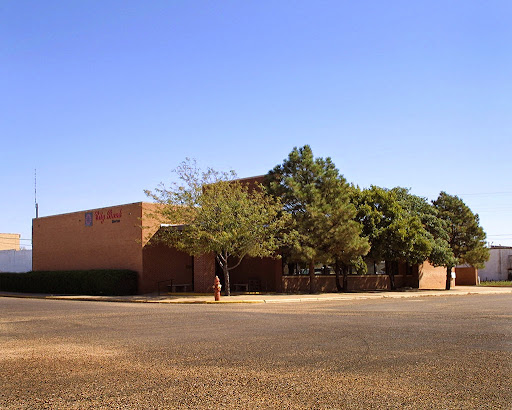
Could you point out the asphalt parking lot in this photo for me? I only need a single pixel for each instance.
(430, 352)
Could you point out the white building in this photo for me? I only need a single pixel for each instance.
(16, 261)
(12, 258)
(499, 265)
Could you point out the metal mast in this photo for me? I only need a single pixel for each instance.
(35, 193)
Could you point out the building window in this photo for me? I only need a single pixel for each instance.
(301, 268)
(408, 269)
(376, 267)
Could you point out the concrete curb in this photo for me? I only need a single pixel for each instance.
(123, 300)
(283, 299)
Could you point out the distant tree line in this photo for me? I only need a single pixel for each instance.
(308, 213)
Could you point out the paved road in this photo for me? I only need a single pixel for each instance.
(431, 352)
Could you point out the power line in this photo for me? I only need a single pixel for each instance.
(495, 210)
(488, 193)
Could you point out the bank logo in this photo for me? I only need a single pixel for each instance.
(88, 219)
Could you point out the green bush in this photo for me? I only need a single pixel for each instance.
(77, 282)
(496, 283)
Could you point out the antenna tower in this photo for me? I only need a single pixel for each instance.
(35, 193)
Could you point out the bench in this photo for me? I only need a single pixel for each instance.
(254, 285)
(179, 287)
(240, 287)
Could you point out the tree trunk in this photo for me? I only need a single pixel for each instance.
(337, 268)
(392, 280)
(226, 280)
(345, 279)
(391, 274)
(448, 277)
(311, 276)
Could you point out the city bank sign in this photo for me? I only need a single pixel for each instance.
(102, 216)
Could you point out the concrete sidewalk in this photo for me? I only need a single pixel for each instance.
(269, 298)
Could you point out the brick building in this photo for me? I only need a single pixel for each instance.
(9, 241)
(113, 238)
(117, 237)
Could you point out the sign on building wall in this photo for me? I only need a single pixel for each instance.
(88, 219)
(102, 216)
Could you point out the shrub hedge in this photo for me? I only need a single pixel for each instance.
(77, 282)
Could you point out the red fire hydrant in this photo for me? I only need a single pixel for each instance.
(216, 288)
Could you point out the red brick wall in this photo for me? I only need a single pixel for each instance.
(327, 283)
(431, 277)
(466, 276)
(252, 182)
(162, 263)
(295, 284)
(64, 242)
(150, 222)
(266, 270)
(114, 241)
(371, 282)
(204, 273)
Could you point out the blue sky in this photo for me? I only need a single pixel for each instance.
(105, 98)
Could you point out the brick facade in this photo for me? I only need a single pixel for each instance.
(105, 238)
(431, 277)
(117, 237)
(466, 276)
(109, 238)
(204, 273)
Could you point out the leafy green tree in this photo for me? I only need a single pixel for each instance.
(466, 237)
(322, 226)
(441, 253)
(396, 224)
(211, 212)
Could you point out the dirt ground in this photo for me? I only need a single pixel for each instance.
(432, 352)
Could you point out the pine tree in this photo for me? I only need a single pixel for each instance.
(316, 196)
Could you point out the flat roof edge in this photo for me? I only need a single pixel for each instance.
(90, 209)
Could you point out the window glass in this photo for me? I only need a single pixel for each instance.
(376, 267)
(301, 268)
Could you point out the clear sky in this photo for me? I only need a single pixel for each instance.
(105, 98)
